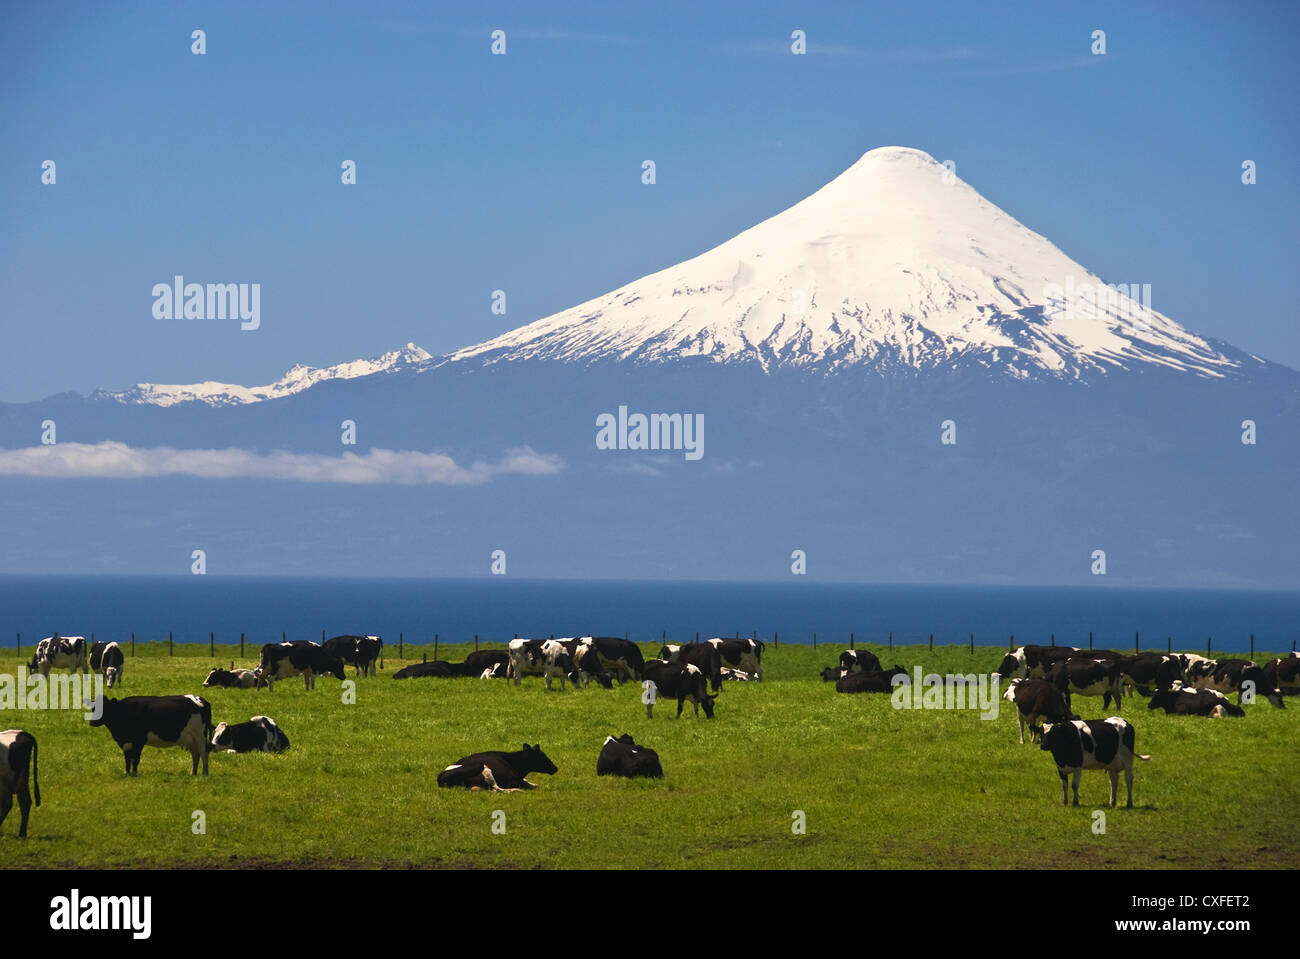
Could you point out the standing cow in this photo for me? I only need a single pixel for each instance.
(60, 652)
(1092, 744)
(164, 721)
(17, 763)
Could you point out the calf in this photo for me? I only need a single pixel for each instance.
(1194, 702)
(620, 656)
(1088, 677)
(17, 762)
(232, 678)
(502, 772)
(164, 721)
(1228, 675)
(1079, 744)
(60, 652)
(1036, 700)
(680, 681)
(877, 681)
(703, 655)
(746, 654)
(623, 757)
(297, 658)
(259, 734)
(859, 661)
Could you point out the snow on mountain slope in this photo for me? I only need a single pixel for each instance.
(295, 381)
(895, 263)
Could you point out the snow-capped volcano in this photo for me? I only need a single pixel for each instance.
(895, 263)
(295, 381)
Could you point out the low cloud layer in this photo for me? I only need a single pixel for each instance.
(111, 460)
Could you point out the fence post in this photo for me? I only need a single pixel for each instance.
(424, 657)
(282, 636)
(1137, 642)
(932, 642)
(1209, 642)
(850, 640)
(776, 639)
(1011, 643)
(891, 640)
(1252, 645)
(476, 642)
(1053, 639)
(814, 640)
(972, 644)
(18, 646)
(1169, 644)
(697, 636)
(1089, 639)
(133, 643)
(170, 648)
(212, 645)
(400, 644)
(435, 645)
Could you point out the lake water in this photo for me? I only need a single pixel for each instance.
(498, 608)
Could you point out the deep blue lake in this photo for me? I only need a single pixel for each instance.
(498, 608)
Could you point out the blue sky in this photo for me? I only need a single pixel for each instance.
(522, 172)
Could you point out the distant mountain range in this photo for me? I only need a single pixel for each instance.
(894, 376)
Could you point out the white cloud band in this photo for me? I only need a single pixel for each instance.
(112, 460)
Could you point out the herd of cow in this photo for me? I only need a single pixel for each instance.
(1041, 682)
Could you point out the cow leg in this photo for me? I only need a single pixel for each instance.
(681, 701)
(1021, 717)
(1065, 789)
(1114, 787)
(1077, 774)
(6, 803)
(1128, 781)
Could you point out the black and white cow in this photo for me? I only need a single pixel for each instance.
(859, 661)
(297, 658)
(259, 734)
(164, 721)
(499, 771)
(1147, 671)
(1037, 701)
(1284, 673)
(730, 675)
(586, 662)
(481, 660)
(542, 657)
(623, 757)
(831, 673)
(679, 681)
(17, 763)
(60, 652)
(705, 656)
(232, 678)
(112, 663)
(1080, 744)
(746, 654)
(359, 652)
(1088, 677)
(433, 669)
(1181, 701)
(1032, 662)
(1229, 675)
(875, 681)
(619, 656)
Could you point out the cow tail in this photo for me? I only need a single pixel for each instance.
(36, 780)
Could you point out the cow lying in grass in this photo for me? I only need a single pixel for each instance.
(869, 682)
(502, 772)
(1181, 701)
(232, 678)
(259, 735)
(623, 757)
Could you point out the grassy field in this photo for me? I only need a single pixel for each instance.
(878, 787)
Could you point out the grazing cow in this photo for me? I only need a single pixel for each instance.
(1146, 671)
(17, 761)
(1088, 677)
(435, 668)
(260, 734)
(623, 757)
(60, 652)
(542, 657)
(480, 660)
(859, 661)
(106, 659)
(502, 772)
(1036, 700)
(746, 654)
(703, 655)
(1080, 744)
(1032, 662)
(1196, 668)
(620, 656)
(1284, 673)
(232, 678)
(1228, 675)
(297, 658)
(680, 681)
(586, 662)
(1181, 701)
(164, 721)
(877, 681)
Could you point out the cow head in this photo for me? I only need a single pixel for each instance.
(334, 667)
(537, 761)
(1163, 699)
(669, 653)
(706, 703)
(101, 709)
(831, 673)
(1013, 665)
(219, 736)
